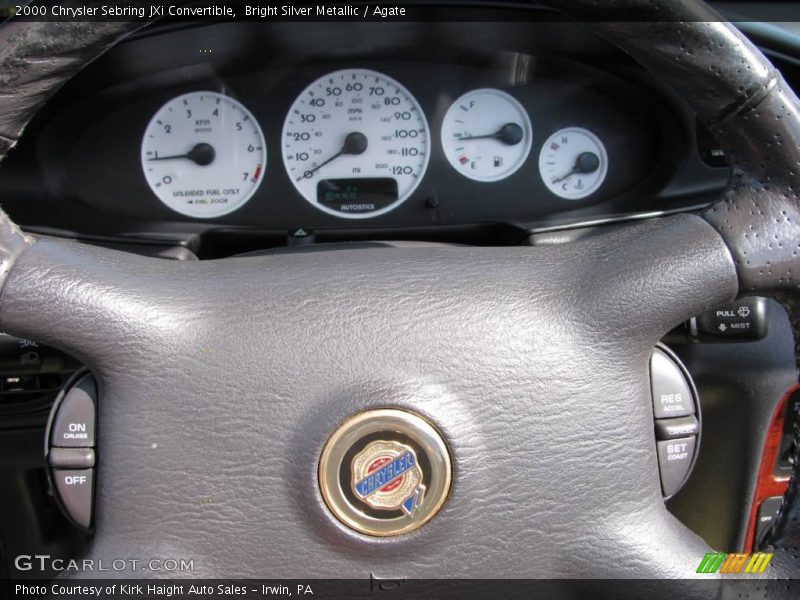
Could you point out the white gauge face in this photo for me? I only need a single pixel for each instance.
(486, 135)
(203, 154)
(573, 163)
(355, 144)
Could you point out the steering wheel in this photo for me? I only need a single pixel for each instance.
(220, 381)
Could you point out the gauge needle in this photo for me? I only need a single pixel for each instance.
(587, 162)
(354, 143)
(202, 154)
(509, 134)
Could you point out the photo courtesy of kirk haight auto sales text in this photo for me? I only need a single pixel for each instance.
(160, 590)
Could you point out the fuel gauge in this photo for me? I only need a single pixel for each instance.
(573, 163)
(486, 135)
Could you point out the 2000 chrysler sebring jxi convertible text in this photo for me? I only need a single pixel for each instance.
(437, 300)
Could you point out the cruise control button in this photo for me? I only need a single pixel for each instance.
(75, 488)
(667, 429)
(72, 458)
(767, 511)
(74, 422)
(672, 396)
(674, 459)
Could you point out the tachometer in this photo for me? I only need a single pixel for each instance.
(355, 143)
(203, 154)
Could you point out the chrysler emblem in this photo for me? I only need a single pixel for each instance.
(385, 472)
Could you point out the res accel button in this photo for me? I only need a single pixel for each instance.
(675, 458)
(671, 394)
(75, 421)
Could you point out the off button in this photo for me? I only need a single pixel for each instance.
(74, 424)
(75, 487)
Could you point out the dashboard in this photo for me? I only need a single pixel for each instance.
(389, 130)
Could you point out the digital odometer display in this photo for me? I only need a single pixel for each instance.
(355, 129)
(357, 195)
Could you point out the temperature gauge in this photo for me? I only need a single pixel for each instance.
(486, 135)
(573, 163)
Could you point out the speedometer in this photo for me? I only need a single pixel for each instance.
(355, 143)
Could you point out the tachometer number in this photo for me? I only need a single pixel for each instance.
(203, 154)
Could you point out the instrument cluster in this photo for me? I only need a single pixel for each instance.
(277, 132)
(356, 144)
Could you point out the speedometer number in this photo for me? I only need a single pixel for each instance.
(355, 144)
